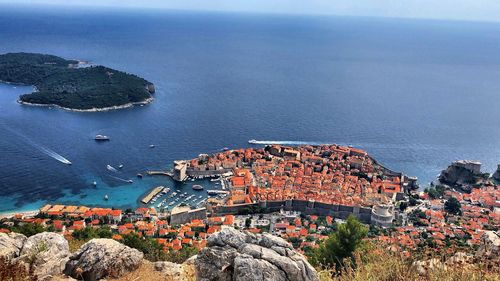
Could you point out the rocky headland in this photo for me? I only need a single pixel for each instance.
(464, 174)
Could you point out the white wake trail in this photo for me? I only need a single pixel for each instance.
(120, 179)
(45, 150)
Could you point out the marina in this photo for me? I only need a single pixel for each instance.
(182, 194)
(152, 194)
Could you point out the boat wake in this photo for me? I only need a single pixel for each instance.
(111, 168)
(287, 142)
(55, 155)
(120, 179)
(45, 150)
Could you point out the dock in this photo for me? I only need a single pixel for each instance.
(152, 194)
(160, 173)
(215, 191)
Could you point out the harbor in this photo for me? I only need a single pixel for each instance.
(192, 193)
(152, 194)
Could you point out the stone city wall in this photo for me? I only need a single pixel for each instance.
(303, 206)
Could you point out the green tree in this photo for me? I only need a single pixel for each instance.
(403, 206)
(151, 249)
(340, 245)
(453, 206)
(413, 201)
(435, 192)
(28, 229)
(248, 222)
(89, 232)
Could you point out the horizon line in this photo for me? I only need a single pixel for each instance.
(76, 7)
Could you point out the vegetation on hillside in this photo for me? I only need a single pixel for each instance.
(373, 262)
(155, 252)
(59, 82)
(28, 229)
(340, 246)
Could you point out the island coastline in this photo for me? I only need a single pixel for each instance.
(104, 109)
(73, 85)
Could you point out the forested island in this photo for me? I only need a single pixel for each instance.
(66, 84)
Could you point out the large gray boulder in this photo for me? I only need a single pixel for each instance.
(101, 258)
(46, 254)
(170, 270)
(234, 255)
(11, 245)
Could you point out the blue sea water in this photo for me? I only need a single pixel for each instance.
(415, 94)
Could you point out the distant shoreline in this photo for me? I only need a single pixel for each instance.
(103, 109)
(95, 109)
(10, 214)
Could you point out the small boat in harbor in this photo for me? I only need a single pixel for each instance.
(151, 146)
(130, 181)
(252, 141)
(197, 187)
(139, 176)
(120, 166)
(94, 183)
(106, 197)
(101, 138)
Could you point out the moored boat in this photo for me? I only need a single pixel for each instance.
(197, 187)
(101, 138)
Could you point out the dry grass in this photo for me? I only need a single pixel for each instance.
(75, 245)
(14, 271)
(147, 272)
(378, 264)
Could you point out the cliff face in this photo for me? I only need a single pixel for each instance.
(457, 176)
(230, 255)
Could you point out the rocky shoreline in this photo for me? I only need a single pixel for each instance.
(103, 109)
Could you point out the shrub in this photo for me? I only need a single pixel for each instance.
(340, 245)
(452, 206)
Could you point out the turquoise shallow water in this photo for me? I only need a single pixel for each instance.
(415, 94)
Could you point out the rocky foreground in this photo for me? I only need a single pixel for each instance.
(229, 255)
